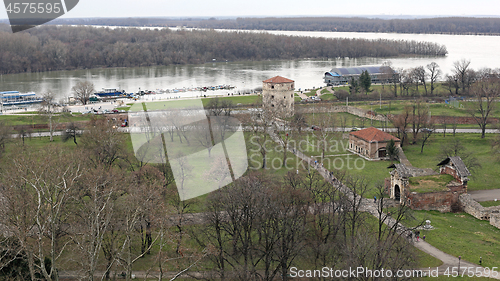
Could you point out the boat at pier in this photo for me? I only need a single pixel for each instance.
(13, 98)
(112, 93)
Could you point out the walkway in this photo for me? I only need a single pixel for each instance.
(485, 195)
(301, 95)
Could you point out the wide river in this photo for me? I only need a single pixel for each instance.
(482, 51)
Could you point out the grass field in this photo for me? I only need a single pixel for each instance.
(487, 177)
(24, 119)
(243, 100)
(433, 183)
(462, 235)
(490, 203)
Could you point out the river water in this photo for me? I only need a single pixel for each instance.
(308, 73)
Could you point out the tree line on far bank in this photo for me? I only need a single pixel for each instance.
(449, 25)
(441, 25)
(50, 48)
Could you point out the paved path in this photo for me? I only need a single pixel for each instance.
(301, 95)
(485, 195)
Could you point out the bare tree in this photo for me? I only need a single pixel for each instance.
(83, 90)
(48, 109)
(260, 122)
(93, 211)
(419, 119)
(420, 75)
(104, 144)
(387, 73)
(435, 73)
(24, 132)
(426, 134)
(5, 132)
(47, 179)
(463, 74)
(456, 148)
(71, 132)
(401, 122)
(485, 92)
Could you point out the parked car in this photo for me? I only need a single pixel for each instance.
(316, 128)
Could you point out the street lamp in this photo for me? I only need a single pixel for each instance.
(456, 86)
(459, 258)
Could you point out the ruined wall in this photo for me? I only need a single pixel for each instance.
(439, 201)
(345, 109)
(495, 220)
(473, 208)
(450, 171)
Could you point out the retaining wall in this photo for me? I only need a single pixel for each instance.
(346, 109)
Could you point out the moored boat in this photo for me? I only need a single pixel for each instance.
(12, 98)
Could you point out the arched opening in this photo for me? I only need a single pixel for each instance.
(397, 193)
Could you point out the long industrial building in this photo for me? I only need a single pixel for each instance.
(343, 76)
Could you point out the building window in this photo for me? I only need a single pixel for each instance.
(272, 87)
(272, 105)
(291, 95)
(272, 97)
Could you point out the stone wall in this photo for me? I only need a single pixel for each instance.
(439, 201)
(345, 109)
(473, 208)
(495, 220)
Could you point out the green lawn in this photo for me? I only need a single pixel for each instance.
(433, 183)
(311, 92)
(339, 118)
(486, 177)
(328, 97)
(490, 203)
(244, 100)
(23, 119)
(462, 235)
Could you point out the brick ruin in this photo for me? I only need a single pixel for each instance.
(444, 200)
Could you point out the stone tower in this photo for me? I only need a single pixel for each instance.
(277, 96)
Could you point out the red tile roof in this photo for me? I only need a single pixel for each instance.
(278, 79)
(373, 134)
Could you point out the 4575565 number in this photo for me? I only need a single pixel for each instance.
(34, 8)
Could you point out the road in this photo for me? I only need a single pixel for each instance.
(485, 195)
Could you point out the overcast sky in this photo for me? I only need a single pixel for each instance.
(225, 8)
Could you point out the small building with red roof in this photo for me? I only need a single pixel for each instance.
(371, 143)
(278, 96)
